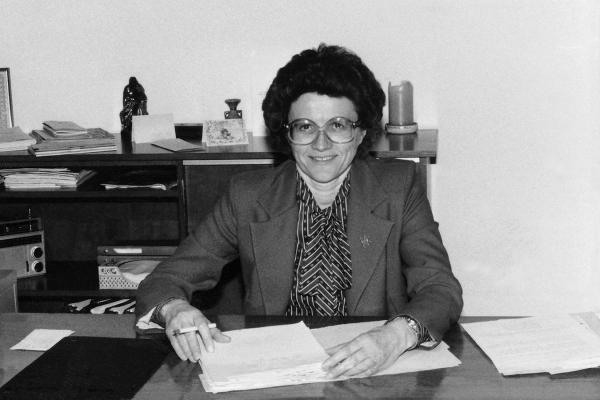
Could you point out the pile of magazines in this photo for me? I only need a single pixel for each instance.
(66, 137)
(43, 178)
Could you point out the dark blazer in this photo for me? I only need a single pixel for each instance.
(399, 264)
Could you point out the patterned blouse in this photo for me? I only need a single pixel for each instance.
(322, 263)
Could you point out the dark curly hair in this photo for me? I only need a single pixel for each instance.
(328, 70)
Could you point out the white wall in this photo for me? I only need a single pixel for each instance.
(512, 86)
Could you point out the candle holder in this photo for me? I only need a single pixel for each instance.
(401, 129)
(400, 109)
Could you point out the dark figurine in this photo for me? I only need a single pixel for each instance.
(134, 103)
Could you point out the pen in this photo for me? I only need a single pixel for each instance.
(187, 329)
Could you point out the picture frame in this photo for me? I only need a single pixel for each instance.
(226, 132)
(6, 111)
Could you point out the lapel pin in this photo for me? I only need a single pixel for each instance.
(364, 240)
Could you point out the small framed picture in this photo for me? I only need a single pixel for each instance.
(225, 132)
(6, 113)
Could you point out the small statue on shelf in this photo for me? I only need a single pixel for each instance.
(134, 103)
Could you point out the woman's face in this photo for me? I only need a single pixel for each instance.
(323, 160)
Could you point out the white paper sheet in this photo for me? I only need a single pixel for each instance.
(554, 344)
(149, 128)
(41, 339)
(293, 354)
(411, 361)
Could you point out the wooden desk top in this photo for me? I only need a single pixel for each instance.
(475, 378)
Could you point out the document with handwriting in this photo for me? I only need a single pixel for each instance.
(553, 344)
(292, 354)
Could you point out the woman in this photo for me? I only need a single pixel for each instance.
(326, 233)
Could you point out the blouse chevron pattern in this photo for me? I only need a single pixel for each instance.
(322, 263)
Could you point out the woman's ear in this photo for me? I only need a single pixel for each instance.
(361, 136)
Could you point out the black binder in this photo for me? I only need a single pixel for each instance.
(81, 367)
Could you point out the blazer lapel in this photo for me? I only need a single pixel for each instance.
(274, 241)
(367, 230)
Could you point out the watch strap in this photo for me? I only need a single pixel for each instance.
(157, 317)
(424, 339)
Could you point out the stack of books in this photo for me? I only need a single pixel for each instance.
(64, 129)
(43, 178)
(12, 139)
(66, 137)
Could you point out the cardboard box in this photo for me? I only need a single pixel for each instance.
(125, 274)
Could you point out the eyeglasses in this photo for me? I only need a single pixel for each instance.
(304, 131)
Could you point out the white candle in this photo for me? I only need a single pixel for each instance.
(400, 104)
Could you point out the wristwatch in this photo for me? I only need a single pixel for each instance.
(414, 326)
(157, 317)
(424, 339)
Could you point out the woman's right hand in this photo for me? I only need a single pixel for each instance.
(179, 314)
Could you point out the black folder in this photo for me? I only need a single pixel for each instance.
(81, 367)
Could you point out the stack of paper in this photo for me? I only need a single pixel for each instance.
(555, 344)
(43, 178)
(143, 179)
(12, 139)
(293, 354)
(263, 357)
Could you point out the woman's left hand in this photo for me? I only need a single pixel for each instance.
(371, 351)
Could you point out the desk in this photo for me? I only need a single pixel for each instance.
(476, 378)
